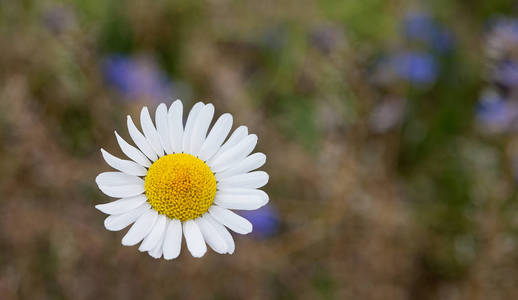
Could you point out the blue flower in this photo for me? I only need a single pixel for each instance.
(506, 73)
(419, 68)
(507, 26)
(502, 39)
(494, 113)
(416, 68)
(136, 78)
(421, 27)
(265, 220)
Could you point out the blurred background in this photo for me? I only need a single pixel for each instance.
(390, 129)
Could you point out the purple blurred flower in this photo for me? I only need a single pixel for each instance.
(496, 114)
(413, 67)
(420, 26)
(265, 220)
(137, 78)
(506, 73)
(420, 68)
(507, 27)
(502, 39)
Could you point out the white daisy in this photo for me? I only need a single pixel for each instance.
(181, 179)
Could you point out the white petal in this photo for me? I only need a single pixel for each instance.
(117, 179)
(140, 140)
(140, 229)
(123, 205)
(119, 185)
(240, 133)
(246, 165)
(173, 240)
(155, 235)
(223, 232)
(175, 118)
(150, 132)
(162, 127)
(159, 247)
(233, 155)
(245, 191)
(191, 120)
(194, 239)
(233, 221)
(217, 135)
(125, 166)
(132, 152)
(200, 127)
(212, 236)
(119, 222)
(253, 180)
(236, 201)
(124, 191)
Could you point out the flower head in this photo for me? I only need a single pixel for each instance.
(416, 68)
(137, 78)
(419, 68)
(502, 39)
(420, 26)
(264, 219)
(506, 74)
(182, 181)
(496, 114)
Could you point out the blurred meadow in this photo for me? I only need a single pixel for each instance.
(390, 129)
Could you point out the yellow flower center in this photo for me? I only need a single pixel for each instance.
(180, 186)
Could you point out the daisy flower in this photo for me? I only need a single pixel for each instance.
(182, 181)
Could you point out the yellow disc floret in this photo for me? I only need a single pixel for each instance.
(180, 186)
